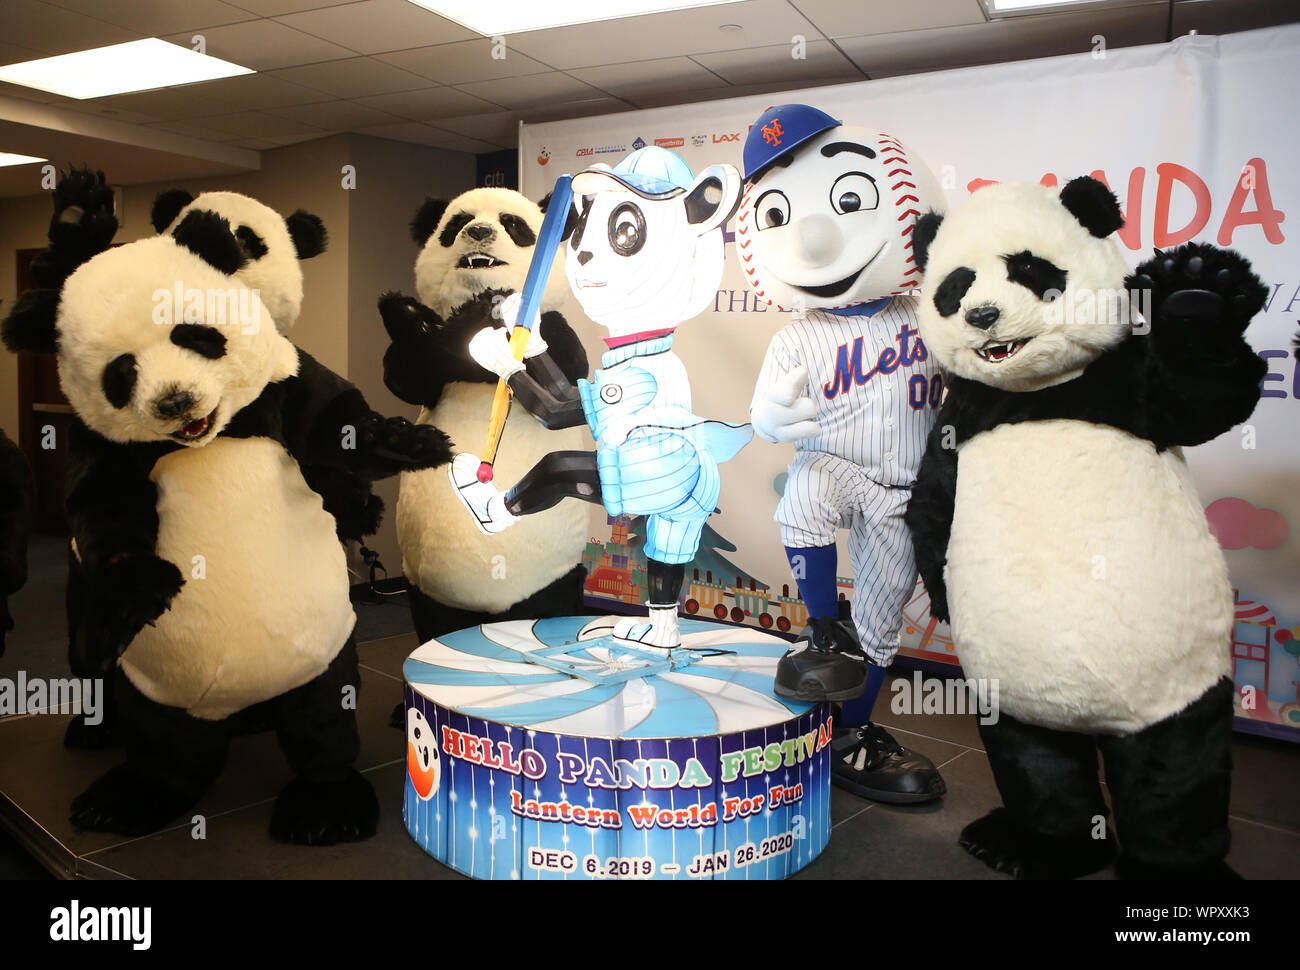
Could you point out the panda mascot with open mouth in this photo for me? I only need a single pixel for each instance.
(475, 250)
(824, 233)
(214, 579)
(1057, 527)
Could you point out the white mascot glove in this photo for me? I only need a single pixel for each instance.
(508, 314)
(780, 415)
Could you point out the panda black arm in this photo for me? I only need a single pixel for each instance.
(413, 361)
(564, 349)
(929, 511)
(112, 508)
(327, 422)
(1201, 377)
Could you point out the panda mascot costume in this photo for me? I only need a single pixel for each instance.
(824, 232)
(185, 493)
(474, 251)
(17, 504)
(1057, 528)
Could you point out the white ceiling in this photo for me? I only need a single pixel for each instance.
(395, 70)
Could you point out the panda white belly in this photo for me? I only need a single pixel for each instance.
(1082, 576)
(443, 551)
(271, 609)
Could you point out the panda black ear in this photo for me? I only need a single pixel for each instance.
(30, 324)
(569, 223)
(308, 234)
(1094, 205)
(167, 207)
(208, 236)
(426, 220)
(927, 227)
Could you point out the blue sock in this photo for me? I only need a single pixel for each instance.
(857, 712)
(817, 587)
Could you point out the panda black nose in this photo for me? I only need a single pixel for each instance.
(584, 258)
(480, 232)
(174, 404)
(982, 316)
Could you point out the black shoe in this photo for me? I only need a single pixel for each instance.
(869, 762)
(826, 663)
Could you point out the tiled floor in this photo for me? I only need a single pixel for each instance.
(38, 778)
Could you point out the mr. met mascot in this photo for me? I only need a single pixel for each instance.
(824, 233)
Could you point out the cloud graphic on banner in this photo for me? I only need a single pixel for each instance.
(1238, 524)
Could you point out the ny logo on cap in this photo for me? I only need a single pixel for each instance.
(772, 132)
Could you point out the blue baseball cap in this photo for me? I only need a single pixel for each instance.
(780, 129)
(651, 172)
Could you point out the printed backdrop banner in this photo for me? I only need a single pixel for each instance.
(1193, 138)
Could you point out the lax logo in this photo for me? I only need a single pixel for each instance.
(772, 132)
(734, 136)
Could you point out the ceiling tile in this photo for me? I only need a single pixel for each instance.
(835, 18)
(111, 112)
(256, 144)
(272, 8)
(265, 45)
(523, 92)
(353, 78)
(31, 94)
(672, 34)
(501, 127)
(168, 104)
(464, 62)
(632, 78)
(1226, 16)
(157, 17)
(374, 26)
(425, 135)
(335, 115)
(574, 109)
(255, 124)
(252, 92)
(52, 30)
(428, 103)
(670, 99)
(1015, 38)
(761, 65)
(194, 129)
(13, 54)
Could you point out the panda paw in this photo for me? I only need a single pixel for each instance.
(129, 594)
(484, 310)
(128, 801)
(83, 211)
(1200, 291)
(1002, 845)
(325, 812)
(406, 318)
(391, 445)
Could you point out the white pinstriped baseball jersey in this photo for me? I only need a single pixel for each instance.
(876, 387)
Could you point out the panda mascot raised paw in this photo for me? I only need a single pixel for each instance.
(476, 249)
(214, 580)
(1057, 528)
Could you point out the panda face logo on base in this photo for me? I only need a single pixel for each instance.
(1018, 294)
(422, 762)
(831, 228)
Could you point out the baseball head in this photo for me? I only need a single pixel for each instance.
(829, 224)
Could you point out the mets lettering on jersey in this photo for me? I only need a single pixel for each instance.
(848, 362)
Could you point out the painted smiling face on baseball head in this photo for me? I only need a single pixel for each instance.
(827, 224)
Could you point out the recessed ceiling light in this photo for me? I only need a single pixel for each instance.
(1016, 8)
(9, 158)
(135, 66)
(512, 16)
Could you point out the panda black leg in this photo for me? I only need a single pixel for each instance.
(1170, 786)
(1051, 798)
(328, 801)
(172, 758)
(80, 734)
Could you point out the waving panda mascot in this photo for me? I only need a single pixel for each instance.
(475, 250)
(185, 494)
(1057, 527)
(824, 233)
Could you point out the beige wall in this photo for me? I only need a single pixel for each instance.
(370, 250)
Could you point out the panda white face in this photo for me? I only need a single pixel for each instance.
(154, 344)
(831, 228)
(484, 241)
(422, 762)
(638, 264)
(1018, 294)
(271, 245)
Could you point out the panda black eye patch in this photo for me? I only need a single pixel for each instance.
(947, 297)
(519, 231)
(119, 380)
(453, 227)
(250, 242)
(205, 341)
(1040, 276)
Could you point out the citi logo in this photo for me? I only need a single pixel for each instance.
(735, 136)
(102, 924)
